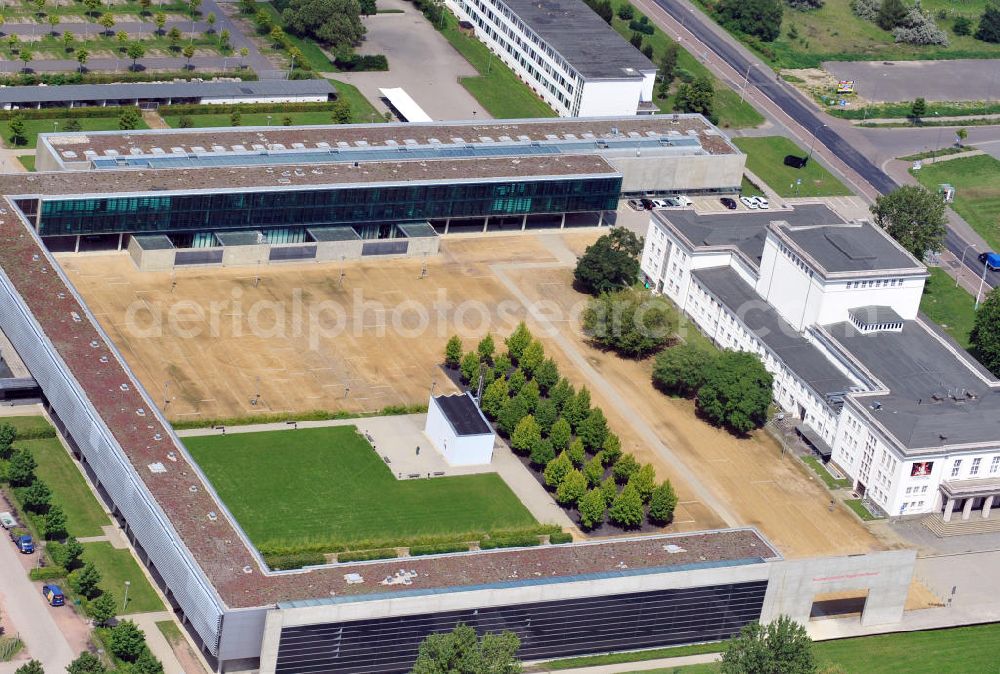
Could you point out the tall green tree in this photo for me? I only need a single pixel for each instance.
(985, 336)
(780, 647)
(55, 523)
(918, 109)
(85, 581)
(334, 23)
(518, 341)
(469, 368)
(625, 468)
(662, 503)
(680, 370)
(453, 352)
(644, 481)
(532, 358)
(30, 667)
(760, 18)
(511, 413)
(737, 392)
(572, 488)
(103, 609)
(542, 453)
(18, 133)
(546, 415)
(891, 13)
(556, 470)
(526, 435)
(610, 263)
(7, 436)
(560, 434)
(591, 507)
(989, 23)
(86, 663)
(547, 375)
(36, 497)
(631, 322)
(594, 429)
(668, 67)
(462, 651)
(127, 641)
(914, 217)
(21, 469)
(577, 408)
(626, 510)
(486, 348)
(698, 96)
(494, 397)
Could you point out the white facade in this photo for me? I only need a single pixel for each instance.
(551, 76)
(458, 449)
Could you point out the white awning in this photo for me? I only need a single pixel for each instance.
(406, 107)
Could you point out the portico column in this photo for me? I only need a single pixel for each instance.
(987, 505)
(967, 510)
(949, 507)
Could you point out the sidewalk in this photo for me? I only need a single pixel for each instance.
(643, 666)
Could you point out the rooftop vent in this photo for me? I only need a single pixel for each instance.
(212, 515)
(247, 569)
(123, 387)
(157, 468)
(353, 578)
(103, 359)
(75, 316)
(673, 549)
(172, 456)
(157, 437)
(140, 412)
(193, 489)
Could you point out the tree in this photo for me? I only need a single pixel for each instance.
(914, 217)
(626, 12)
(210, 20)
(591, 507)
(122, 38)
(86, 663)
(244, 52)
(135, 51)
(781, 647)
(960, 136)
(662, 503)
(334, 23)
(594, 429)
(21, 469)
(962, 25)
(53, 20)
(160, 19)
(174, 35)
(985, 336)
(609, 490)
(545, 414)
(27, 57)
(341, 112)
(36, 497)
(147, 663)
(18, 135)
(547, 375)
(81, 57)
(760, 18)
(542, 453)
(572, 488)
(644, 481)
(989, 23)
(129, 119)
(85, 581)
(512, 412)
(625, 468)
(486, 348)
(461, 651)
(576, 453)
(560, 434)
(578, 408)
(556, 470)
(55, 523)
(532, 358)
(92, 6)
(636, 40)
(593, 470)
(561, 393)
(277, 35)
(626, 510)
(517, 380)
(526, 435)
(494, 397)
(610, 263)
(39, 7)
(73, 125)
(680, 370)
(633, 323)
(235, 119)
(67, 40)
(891, 13)
(108, 22)
(612, 449)
(248, 6)
(918, 109)
(224, 38)
(188, 53)
(737, 392)
(668, 67)
(30, 667)
(66, 555)
(7, 436)
(698, 96)
(103, 609)
(518, 341)
(144, 5)
(453, 352)
(469, 368)
(127, 641)
(368, 7)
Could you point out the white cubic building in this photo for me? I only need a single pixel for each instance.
(459, 431)
(566, 53)
(831, 308)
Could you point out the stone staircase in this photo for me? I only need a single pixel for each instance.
(959, 527)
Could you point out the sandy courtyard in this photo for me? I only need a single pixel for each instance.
(211, 340)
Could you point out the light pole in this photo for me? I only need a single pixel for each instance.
(959, 273)
(982, 282)
(125, 603)
(812, 145)
(746, 81)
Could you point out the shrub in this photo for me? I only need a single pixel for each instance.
(365, 555)
(357, 63)
(962, 25)
(556, 470)
(572, 488)
(560, 537)
(625, 468)
(294, 560)
(626, 510)
(918, 28)
(626, 12)
(438, 549)
(592, 507)
(989, 23)
(521, 541)
(645, 28)
(47, 573)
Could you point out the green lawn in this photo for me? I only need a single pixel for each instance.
(977, 191)
(859, 508)
(634, 656)
(765, 156)
(311, 51)
(496, 88)
(33, 127)
(950, 307)
(748, 189)
(117, 566)
(328, 483)
(27, 161)
(56, 468)
(829, 480)
(171, 632)
(362, 110)
(254, 119)
(30, 427)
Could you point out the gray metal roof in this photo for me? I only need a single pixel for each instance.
(929, 386)
(135, 90)
(154, 242)
(341, 233)
(799, 354)
(461, 411)
(574, 30)
(850, 247)
(875, 315)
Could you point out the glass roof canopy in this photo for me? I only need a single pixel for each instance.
(334, 155)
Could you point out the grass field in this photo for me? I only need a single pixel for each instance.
(27, 161)
(84, 515)
(311, 51)
(116, 567)
(33, 127)
(950, 307)
(497, 87)
(977, 191)
(328, 483)
(255, 119)
(636, 656)
(765, 156)
(30, 427)
(829, 480)
(362, 111)
(859, 508)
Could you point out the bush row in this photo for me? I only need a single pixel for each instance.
(312, 415)
(48, 573)
(31, 79)
(295, 560)
(365, 555)
(362, 62)
(523, 541)
(560, 538)
(245, 108)
(438, 549)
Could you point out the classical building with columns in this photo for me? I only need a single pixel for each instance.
(832, 309)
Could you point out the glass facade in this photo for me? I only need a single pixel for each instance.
(344, 205)
(546, 629)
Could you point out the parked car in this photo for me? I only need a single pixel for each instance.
(991, 260)
(683, 200)
(7, 520)
(647, 204)
(762, 202)
(53, 595)
(23, 541)
(661, 203)
(728, 203)
(750, 203)
(636, 205)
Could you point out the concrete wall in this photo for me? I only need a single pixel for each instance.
(327, 251)
(45, 158)
(150, 260)
(466, 450)
(423, 245)
(236, 256)
(793, 584)
(604, 98)
(679, 173)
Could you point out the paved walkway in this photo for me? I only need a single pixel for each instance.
(644, 666)
(158, 643)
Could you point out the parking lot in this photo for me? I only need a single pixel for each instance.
(894, 81)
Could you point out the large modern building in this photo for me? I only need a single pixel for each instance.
(566, 53)
(831, 308)
(96, 190)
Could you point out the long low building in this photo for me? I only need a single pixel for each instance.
(832, 309)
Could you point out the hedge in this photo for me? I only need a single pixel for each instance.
(312, 415)
(294, 561)
(439, 549)
(362, 62)
(510, 542)
(63, 113)
(246, 108)
(39, 433)
(31, 79)
(365, 555)
(560, 538)
(47, 573)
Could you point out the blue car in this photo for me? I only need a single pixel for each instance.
(54, 595)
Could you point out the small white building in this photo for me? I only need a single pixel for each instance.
(459, 431)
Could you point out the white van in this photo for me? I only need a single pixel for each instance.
(7, 520)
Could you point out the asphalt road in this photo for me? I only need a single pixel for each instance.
(785, 96)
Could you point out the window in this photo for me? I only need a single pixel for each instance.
(956, 467)
(974, 470)
(995, 464)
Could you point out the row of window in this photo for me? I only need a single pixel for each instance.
(956, 467)
(796, 260)
(876, 283)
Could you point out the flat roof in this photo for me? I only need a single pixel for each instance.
(340, 233)
(334, 136)
(929, 379)
(217, 544)
(154, 241)
(592, 47)
(875, 315)
(181, 89)
(461, 412)
(405, 105)
(799, 354)
(847, 247)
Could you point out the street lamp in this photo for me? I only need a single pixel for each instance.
(959, 273)
(125, 603)
(813, 144)
(746, 81)
(982, 282)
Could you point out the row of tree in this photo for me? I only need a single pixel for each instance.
(33, 494)
(911, 24)
(564, 438)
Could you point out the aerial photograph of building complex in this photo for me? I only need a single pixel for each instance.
(499, 336)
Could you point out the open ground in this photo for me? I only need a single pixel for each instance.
(369, 365)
